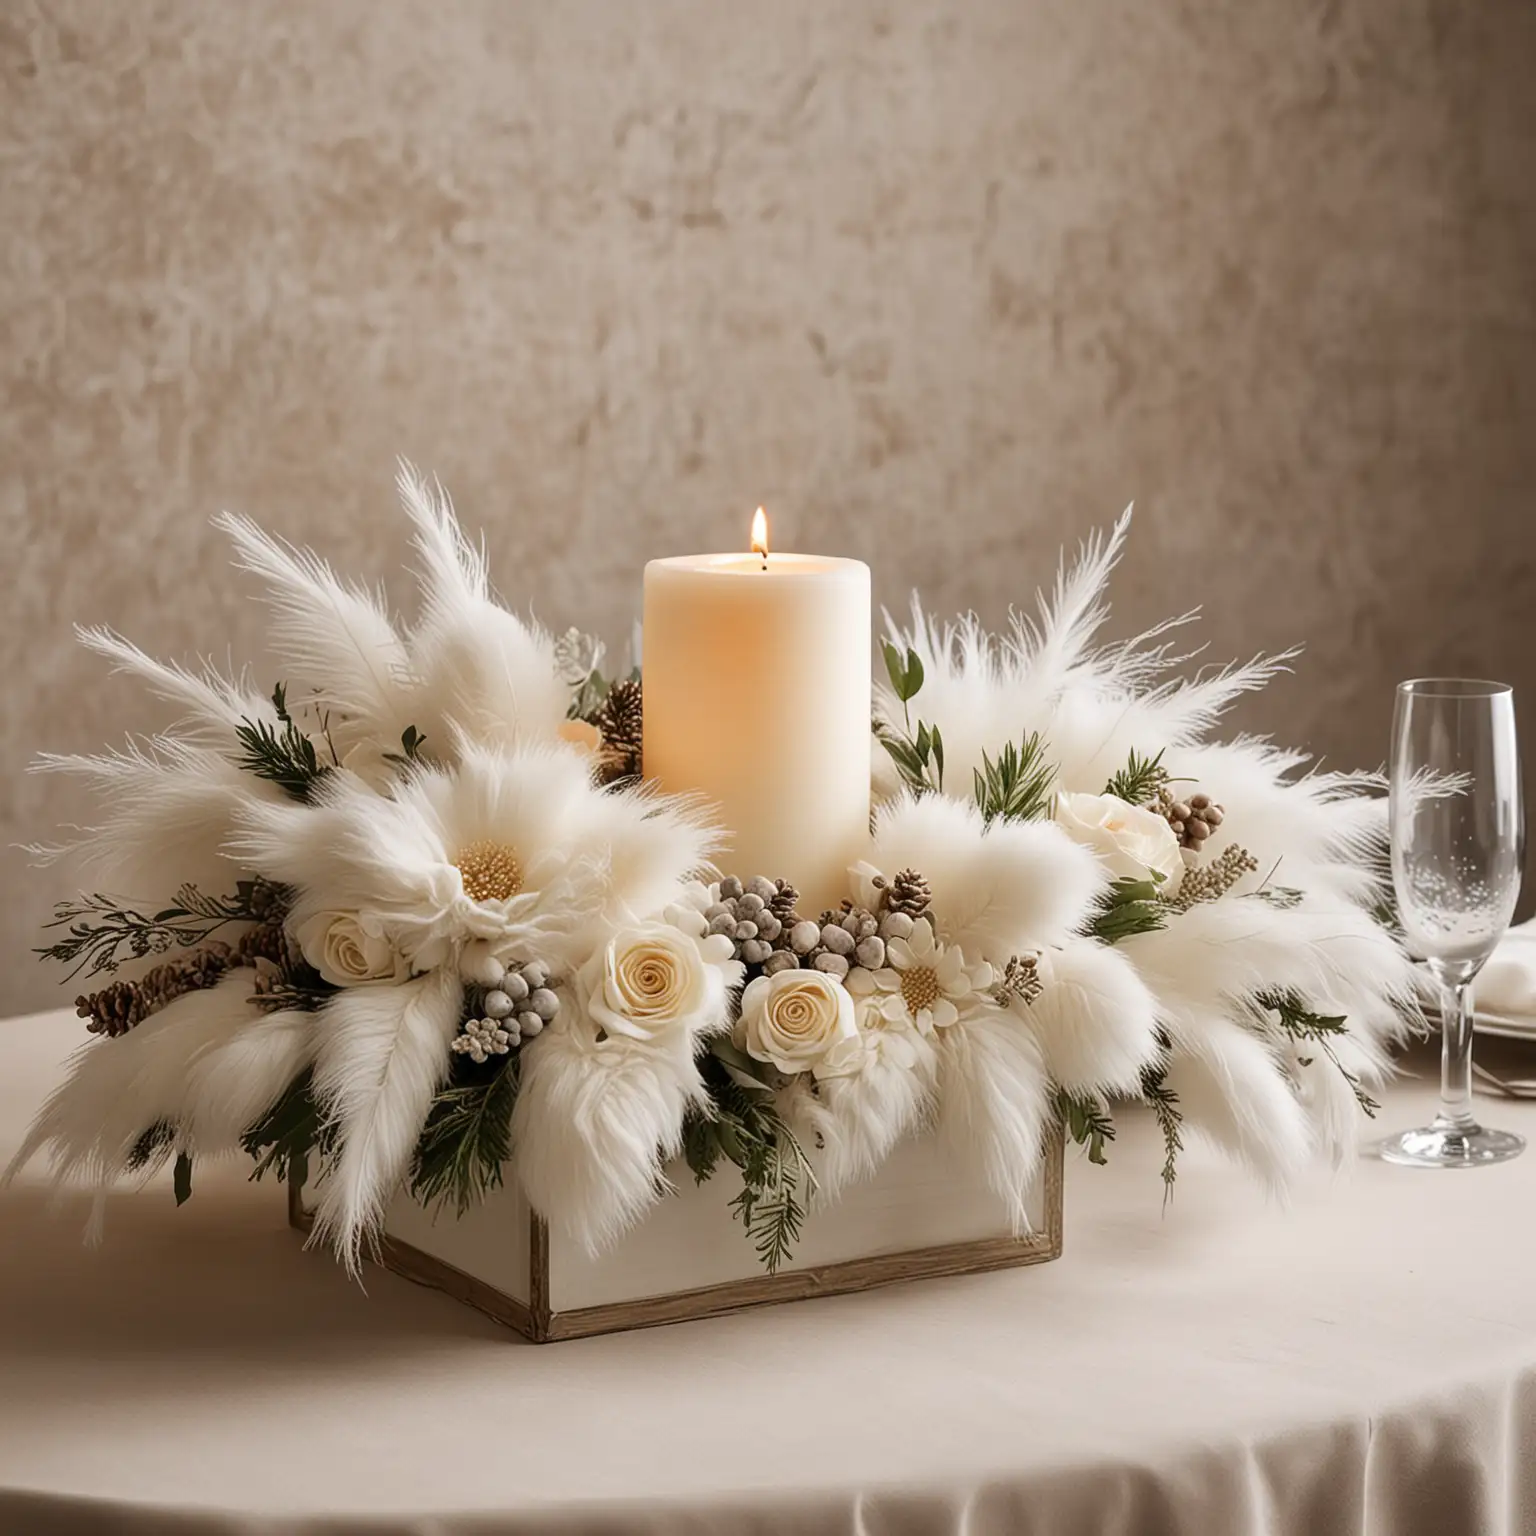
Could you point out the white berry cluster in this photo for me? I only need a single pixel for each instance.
(480, 1039)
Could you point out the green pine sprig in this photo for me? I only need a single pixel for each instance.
(1164, 1104)
(1017, 785)
(467, 1139)
(742, 1125)
(1087, 1120)
(281, 754)
(1140, 780)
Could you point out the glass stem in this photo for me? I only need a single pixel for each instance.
(1456, 1055)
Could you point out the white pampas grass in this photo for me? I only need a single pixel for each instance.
(994, 1106)
(1095, 1020)
(383, 1052)
(336, 638)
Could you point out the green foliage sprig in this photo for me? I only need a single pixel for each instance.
(282, 754)
(1087, 1121)
(1140, 780)
(283, 1139)
(412, 743)
(101, 927)
(1306, 1027)
(1017, 786)
(1128, 906)
(467, 1138)
(743, 1125)
(918, 754)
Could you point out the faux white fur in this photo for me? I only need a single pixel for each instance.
(336, 638)
(993, 1105)
(997, 890)
(848, 1126)
(1095, 1020)
(383, 1052)
(1230, 1089)
(596, 1121)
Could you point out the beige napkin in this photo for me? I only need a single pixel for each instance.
(1506, 985)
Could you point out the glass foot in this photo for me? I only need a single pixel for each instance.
(1448, 1145)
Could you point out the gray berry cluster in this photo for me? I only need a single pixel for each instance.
(838, 941)
(518, 1002)
(751, 914)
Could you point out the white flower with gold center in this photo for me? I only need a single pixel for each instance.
(502, 854)
(925, 983)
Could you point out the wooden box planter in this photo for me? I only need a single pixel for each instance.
(690, 1258)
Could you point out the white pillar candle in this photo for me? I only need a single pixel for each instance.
(757, 696)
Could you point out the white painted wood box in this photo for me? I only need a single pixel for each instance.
(690, 1258)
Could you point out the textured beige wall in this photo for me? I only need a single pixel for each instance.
(942, 285)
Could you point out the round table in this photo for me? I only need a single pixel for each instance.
(1359, 1361)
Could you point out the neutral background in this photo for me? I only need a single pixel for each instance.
(943, 286)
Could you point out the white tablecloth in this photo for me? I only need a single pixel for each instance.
(1364, 1361)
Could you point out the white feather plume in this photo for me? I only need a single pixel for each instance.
(994, 1106)
(116, 1089)
(167, 809)
(215, 705)
(337, 638)
(484, 671)
(383, 1052)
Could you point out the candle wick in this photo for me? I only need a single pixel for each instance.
(765, 559)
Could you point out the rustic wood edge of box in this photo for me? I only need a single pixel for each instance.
(537, 1322)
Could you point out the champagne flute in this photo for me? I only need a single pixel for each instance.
(1458, 840)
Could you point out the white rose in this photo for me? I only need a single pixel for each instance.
(651, 980)
(346, 951)
(801, 1020)
(1129, 841)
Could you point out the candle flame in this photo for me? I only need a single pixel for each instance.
(760, 535)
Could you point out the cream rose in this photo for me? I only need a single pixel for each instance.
(346, 951)
(1129, 841)
(649, 981)
(801, 1021)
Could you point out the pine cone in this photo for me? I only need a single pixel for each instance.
(910, 893)
(116, 1009)
(269, 902)
(267, 941)
(1192, 820)
(620, 722)
(783, 902)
